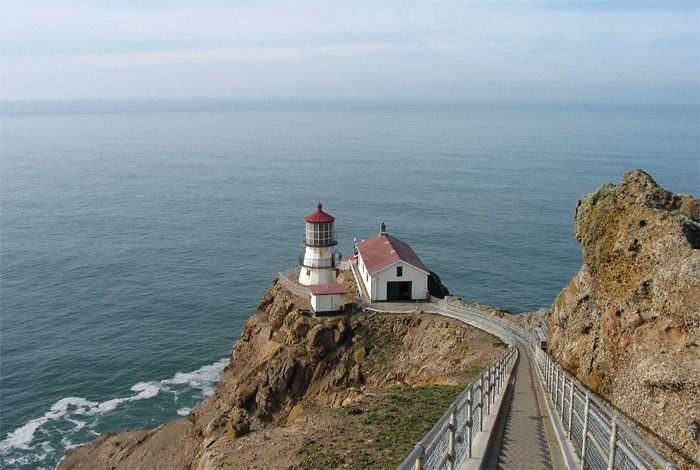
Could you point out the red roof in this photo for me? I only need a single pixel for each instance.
(327, 289)
(319, 216)
(381, 251)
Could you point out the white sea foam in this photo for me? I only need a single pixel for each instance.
(65, 409)
(204, 378)
(60, 408)
(146, 390)
(21, 437)
(77, 423)
(106, 406)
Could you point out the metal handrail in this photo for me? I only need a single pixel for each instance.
(481, 319)
(595, 431)
(592, 414)
(450, 439)
(476, 399)
(294, 287)
(585, 428)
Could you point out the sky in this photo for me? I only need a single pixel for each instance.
(461, 50)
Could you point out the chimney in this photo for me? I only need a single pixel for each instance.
(382, 229)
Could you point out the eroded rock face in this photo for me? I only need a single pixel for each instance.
(628, 324)
(285, 359)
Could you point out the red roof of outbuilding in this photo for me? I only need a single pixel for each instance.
(319, 216)
(381, 251)
(327, 289)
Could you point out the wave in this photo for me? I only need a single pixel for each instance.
(42, 435)
(204, 378)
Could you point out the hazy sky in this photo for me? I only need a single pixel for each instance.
(580, 51)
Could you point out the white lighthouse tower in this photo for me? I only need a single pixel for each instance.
(318, 260)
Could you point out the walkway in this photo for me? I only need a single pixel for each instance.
(529, 442)
(528, 434)
(528, 439)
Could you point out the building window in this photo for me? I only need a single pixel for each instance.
(399, 271)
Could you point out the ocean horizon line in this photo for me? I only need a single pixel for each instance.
(10, 107)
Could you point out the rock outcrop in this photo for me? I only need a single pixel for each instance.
(286, 362)
(628, 324)
(435, 286)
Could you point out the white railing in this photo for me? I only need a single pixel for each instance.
(450, 441)
(292, 285)
(479, 318)
(601, 439)
(344, 265)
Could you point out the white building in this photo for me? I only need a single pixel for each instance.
(327, 299)
(318, 260)
(390, 270)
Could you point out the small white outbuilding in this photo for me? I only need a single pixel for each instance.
(391, 270)
(327, 299)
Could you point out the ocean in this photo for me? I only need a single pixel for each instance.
(137, 237)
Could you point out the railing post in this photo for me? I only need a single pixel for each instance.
(496, 378)
(552, 386)
(481, 403)
(613, 444)
(551, 378)
(571, 408)
(496, 373)
(560, 393)
(499, 369)
(488, 393)
(470, 423)
(419, 459)
(503, 369)
(584, 444)
(453, 434)
(497, 382)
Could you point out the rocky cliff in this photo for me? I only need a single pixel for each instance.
(289, 376)
(628, 324)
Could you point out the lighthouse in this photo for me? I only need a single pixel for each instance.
(318, 260)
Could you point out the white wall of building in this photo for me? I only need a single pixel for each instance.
(317, 268)
(376, 284)
(327, 303)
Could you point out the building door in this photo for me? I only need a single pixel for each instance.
(398, 290)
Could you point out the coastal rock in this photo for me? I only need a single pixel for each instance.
(627, 325)
(435, 287)
(286, 363)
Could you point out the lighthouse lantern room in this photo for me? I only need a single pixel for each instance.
(318, 259)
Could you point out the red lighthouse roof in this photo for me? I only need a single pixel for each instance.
(319, 216)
